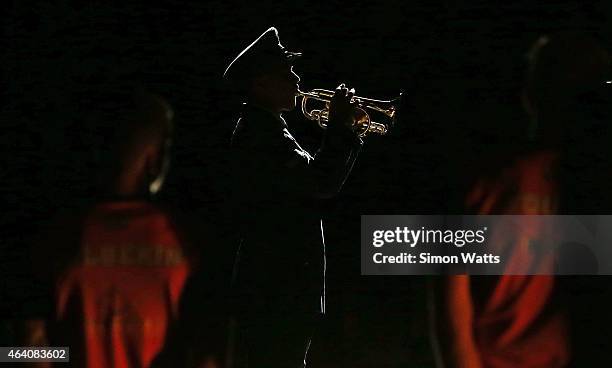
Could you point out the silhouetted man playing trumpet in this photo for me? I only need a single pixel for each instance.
(279, 275)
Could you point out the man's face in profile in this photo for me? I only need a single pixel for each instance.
(281, 86)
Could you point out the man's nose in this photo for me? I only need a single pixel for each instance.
(295, 77)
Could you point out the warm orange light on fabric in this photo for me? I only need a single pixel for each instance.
(513, 320)
(124, 288)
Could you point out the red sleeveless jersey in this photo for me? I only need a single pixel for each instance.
(117, 298)
(515, 320)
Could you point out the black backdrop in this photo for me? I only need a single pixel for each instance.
(461, 68)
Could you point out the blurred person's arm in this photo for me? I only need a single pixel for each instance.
(454, 322)
(198, 338)
(50, 249)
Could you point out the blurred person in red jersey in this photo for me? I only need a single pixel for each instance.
(521, 321)
(119, 267)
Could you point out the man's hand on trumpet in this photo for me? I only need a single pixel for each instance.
(342, 109)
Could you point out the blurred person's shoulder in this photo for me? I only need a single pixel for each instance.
(524, 184)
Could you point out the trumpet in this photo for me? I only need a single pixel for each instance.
(362, 123)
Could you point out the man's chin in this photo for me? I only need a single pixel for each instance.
(289, 107)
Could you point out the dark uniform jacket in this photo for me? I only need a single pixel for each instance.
(277, 187)
(278, 283)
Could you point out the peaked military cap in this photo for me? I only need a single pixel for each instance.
(264, 54)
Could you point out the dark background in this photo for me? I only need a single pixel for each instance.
(461, 69)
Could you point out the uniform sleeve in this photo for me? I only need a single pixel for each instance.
(284, 168)
(334, 162)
